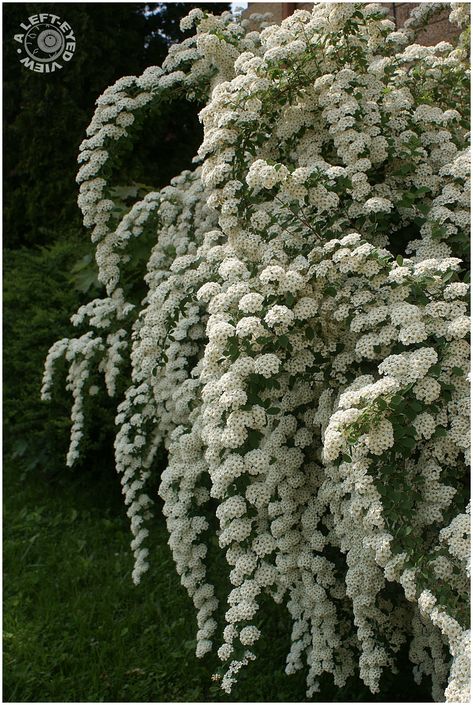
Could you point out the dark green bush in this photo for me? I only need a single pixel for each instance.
(46, 117)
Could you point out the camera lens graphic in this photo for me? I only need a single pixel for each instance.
(44, 42)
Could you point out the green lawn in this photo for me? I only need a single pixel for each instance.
(76, 629)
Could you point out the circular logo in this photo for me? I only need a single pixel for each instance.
(46, 43)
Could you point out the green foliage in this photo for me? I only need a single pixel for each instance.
(40, 286)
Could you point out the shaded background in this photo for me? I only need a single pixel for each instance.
(48, 259)
(75, 627)
(45, 116)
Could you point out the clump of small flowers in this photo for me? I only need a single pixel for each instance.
(302, 351)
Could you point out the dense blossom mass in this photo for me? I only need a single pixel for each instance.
(302, 352)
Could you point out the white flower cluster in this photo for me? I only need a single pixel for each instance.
(80, 354)
(302, 351)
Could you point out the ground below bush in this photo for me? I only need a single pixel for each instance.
(76, 629)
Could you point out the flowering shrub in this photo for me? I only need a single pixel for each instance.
(302, 349)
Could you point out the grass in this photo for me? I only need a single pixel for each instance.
(76, 629)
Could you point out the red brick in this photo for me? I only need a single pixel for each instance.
(438, 30)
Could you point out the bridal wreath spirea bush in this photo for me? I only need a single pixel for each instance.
(302, 352)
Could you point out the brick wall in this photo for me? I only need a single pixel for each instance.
(275, 8)
(438, 30)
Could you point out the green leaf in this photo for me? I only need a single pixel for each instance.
(447, 276)
(284, 341)
(290, 298)
(407, 442)
(73, 516)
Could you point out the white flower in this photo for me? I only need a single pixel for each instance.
(297, 378)
(251, 303)
(378, 205)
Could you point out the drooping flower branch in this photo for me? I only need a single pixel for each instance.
(302, 351)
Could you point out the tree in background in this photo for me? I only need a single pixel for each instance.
(44, 123)
(46, 115)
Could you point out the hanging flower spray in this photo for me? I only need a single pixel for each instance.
(302, 349)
